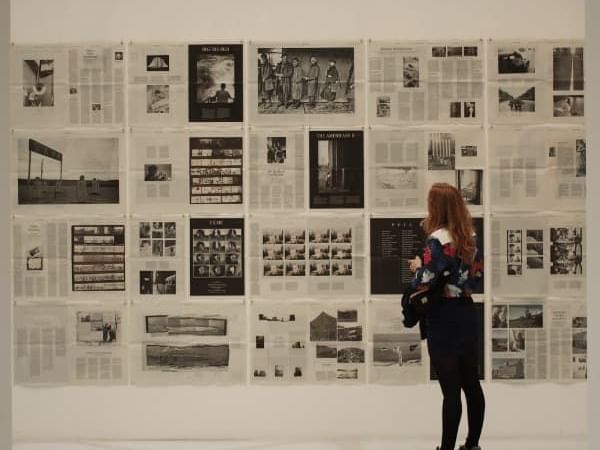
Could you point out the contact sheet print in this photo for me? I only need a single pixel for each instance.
(229, 213)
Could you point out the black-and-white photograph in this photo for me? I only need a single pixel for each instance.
(157, 239)
(499, 316)
(468, 151)
(349, 332)
(516, 99)
(567, 68)
(526, 316)
(98, 257)
(76, 170)
(336, 169)
(276, 150)
(383, 106)
(469, 182)
(98, 327)
(38, 82)
(326, 351)
(216, 256)
(535, 249)
(410, 71)
(216, 170)
(499, 340)
(397, 349)
(157, 282)
(350, 355)
(455, 110)
(454, 51)
(186, 357)
(469, 109)
(516, 60)
(508, 369)
(438, 52)
(516, 340)
(441, 151)
(157, 63)
(568, 106)
(347, 315)
(157, 99)
(346, 374)
(579, 342)
(181, 325)
(216, 83)
(580, 159)
(305, 80)
(396, 177)
(323, 328)
(566, 251)
(157, 172)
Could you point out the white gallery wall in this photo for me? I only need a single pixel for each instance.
(181, 412)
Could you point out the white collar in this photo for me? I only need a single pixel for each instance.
(442, 235)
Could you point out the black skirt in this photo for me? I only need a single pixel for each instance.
(451, 327)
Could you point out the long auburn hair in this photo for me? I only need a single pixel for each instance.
(448, 209)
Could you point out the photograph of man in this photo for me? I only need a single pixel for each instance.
(332, 79)
(312, 80)
(297, 82)
(223, 95)
(284, 72)
(266, 80)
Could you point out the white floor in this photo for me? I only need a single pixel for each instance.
(490, 444)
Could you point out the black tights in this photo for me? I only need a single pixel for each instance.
(456, 373)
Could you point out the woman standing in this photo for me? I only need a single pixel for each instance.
(452, 264)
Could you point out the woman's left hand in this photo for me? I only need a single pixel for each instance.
(414, 264)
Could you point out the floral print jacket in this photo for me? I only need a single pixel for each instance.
(440, 260)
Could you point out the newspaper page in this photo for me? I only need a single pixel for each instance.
(337, 337)
(68, 85)
(217, 256)
(305, 82)
(40, 259)
(157, 84)
(158, 171)
(68, 172)
(396, 353)
(307, 256)
(278, 341)
(553, 261)
(536, 81)
(40, 344)
(216, 170)
(425, 81)
(157, 258)
(519, 340)
(98, 344)
(404, 164)
(276, 169)
(535, 168)
(395, 240)
(216, 82)
(336, 169)
(568, 339)
(189, 344)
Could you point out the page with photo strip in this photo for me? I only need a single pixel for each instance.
(201, 343)
(306, 82)
(538, 254)
(307, 256)
(157, 77)
(425, 82)
(276, 169)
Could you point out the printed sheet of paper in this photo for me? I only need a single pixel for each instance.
(157, 258)
(68, 172)
(397, 354)
(301, 256)
(157, 84)
(276, 169)
(535, 168)
(68, 85)
(535, 81)
(425, 82)
(404, 164)
(202, 343)
(538, 255)
(306, 83)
